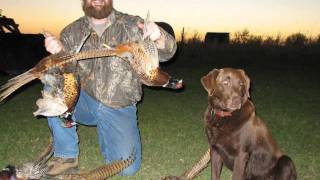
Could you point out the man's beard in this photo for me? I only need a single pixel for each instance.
(97, 13)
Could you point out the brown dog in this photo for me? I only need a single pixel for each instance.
(238, 138)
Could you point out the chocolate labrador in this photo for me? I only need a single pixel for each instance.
(238, 138)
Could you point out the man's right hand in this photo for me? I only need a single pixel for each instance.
(52, 44)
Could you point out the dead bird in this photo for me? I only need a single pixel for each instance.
(29, 170)
(54, 70)
(142, 56)
(37, 169)
(60, 98)
(101, 173)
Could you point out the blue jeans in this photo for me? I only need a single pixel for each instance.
(118, 132)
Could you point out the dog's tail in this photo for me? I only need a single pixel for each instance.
(285, 169)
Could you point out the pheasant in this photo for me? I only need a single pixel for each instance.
(142, 56)
(101, 173)
(29, 170)
(38, 168)
(64, 92)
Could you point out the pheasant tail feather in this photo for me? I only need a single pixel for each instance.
(199, 166)
(45, 154)
(103, 172)
(109, 170)
(15, 83)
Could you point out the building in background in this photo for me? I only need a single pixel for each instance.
(217, 38)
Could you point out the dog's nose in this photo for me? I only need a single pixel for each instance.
(236, 101)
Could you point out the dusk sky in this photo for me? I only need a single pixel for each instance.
(262, 17)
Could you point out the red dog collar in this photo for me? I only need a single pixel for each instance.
(220, 114)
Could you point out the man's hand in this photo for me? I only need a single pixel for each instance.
(153, 31)
(52, 44)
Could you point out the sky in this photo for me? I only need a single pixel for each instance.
(260, 17)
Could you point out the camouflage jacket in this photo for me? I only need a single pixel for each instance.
(110, 80)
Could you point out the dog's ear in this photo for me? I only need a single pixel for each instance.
(209, 81)
(247, 81)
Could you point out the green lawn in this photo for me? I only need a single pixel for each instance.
(171, 125)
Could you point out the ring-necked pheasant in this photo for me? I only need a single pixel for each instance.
(142, 56)
(38, 168)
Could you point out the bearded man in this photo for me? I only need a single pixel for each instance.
(109, 88)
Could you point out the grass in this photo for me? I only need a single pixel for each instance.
(286, 96)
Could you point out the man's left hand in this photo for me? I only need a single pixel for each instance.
(153, 31)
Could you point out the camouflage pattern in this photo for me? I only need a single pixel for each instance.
(110, 80)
